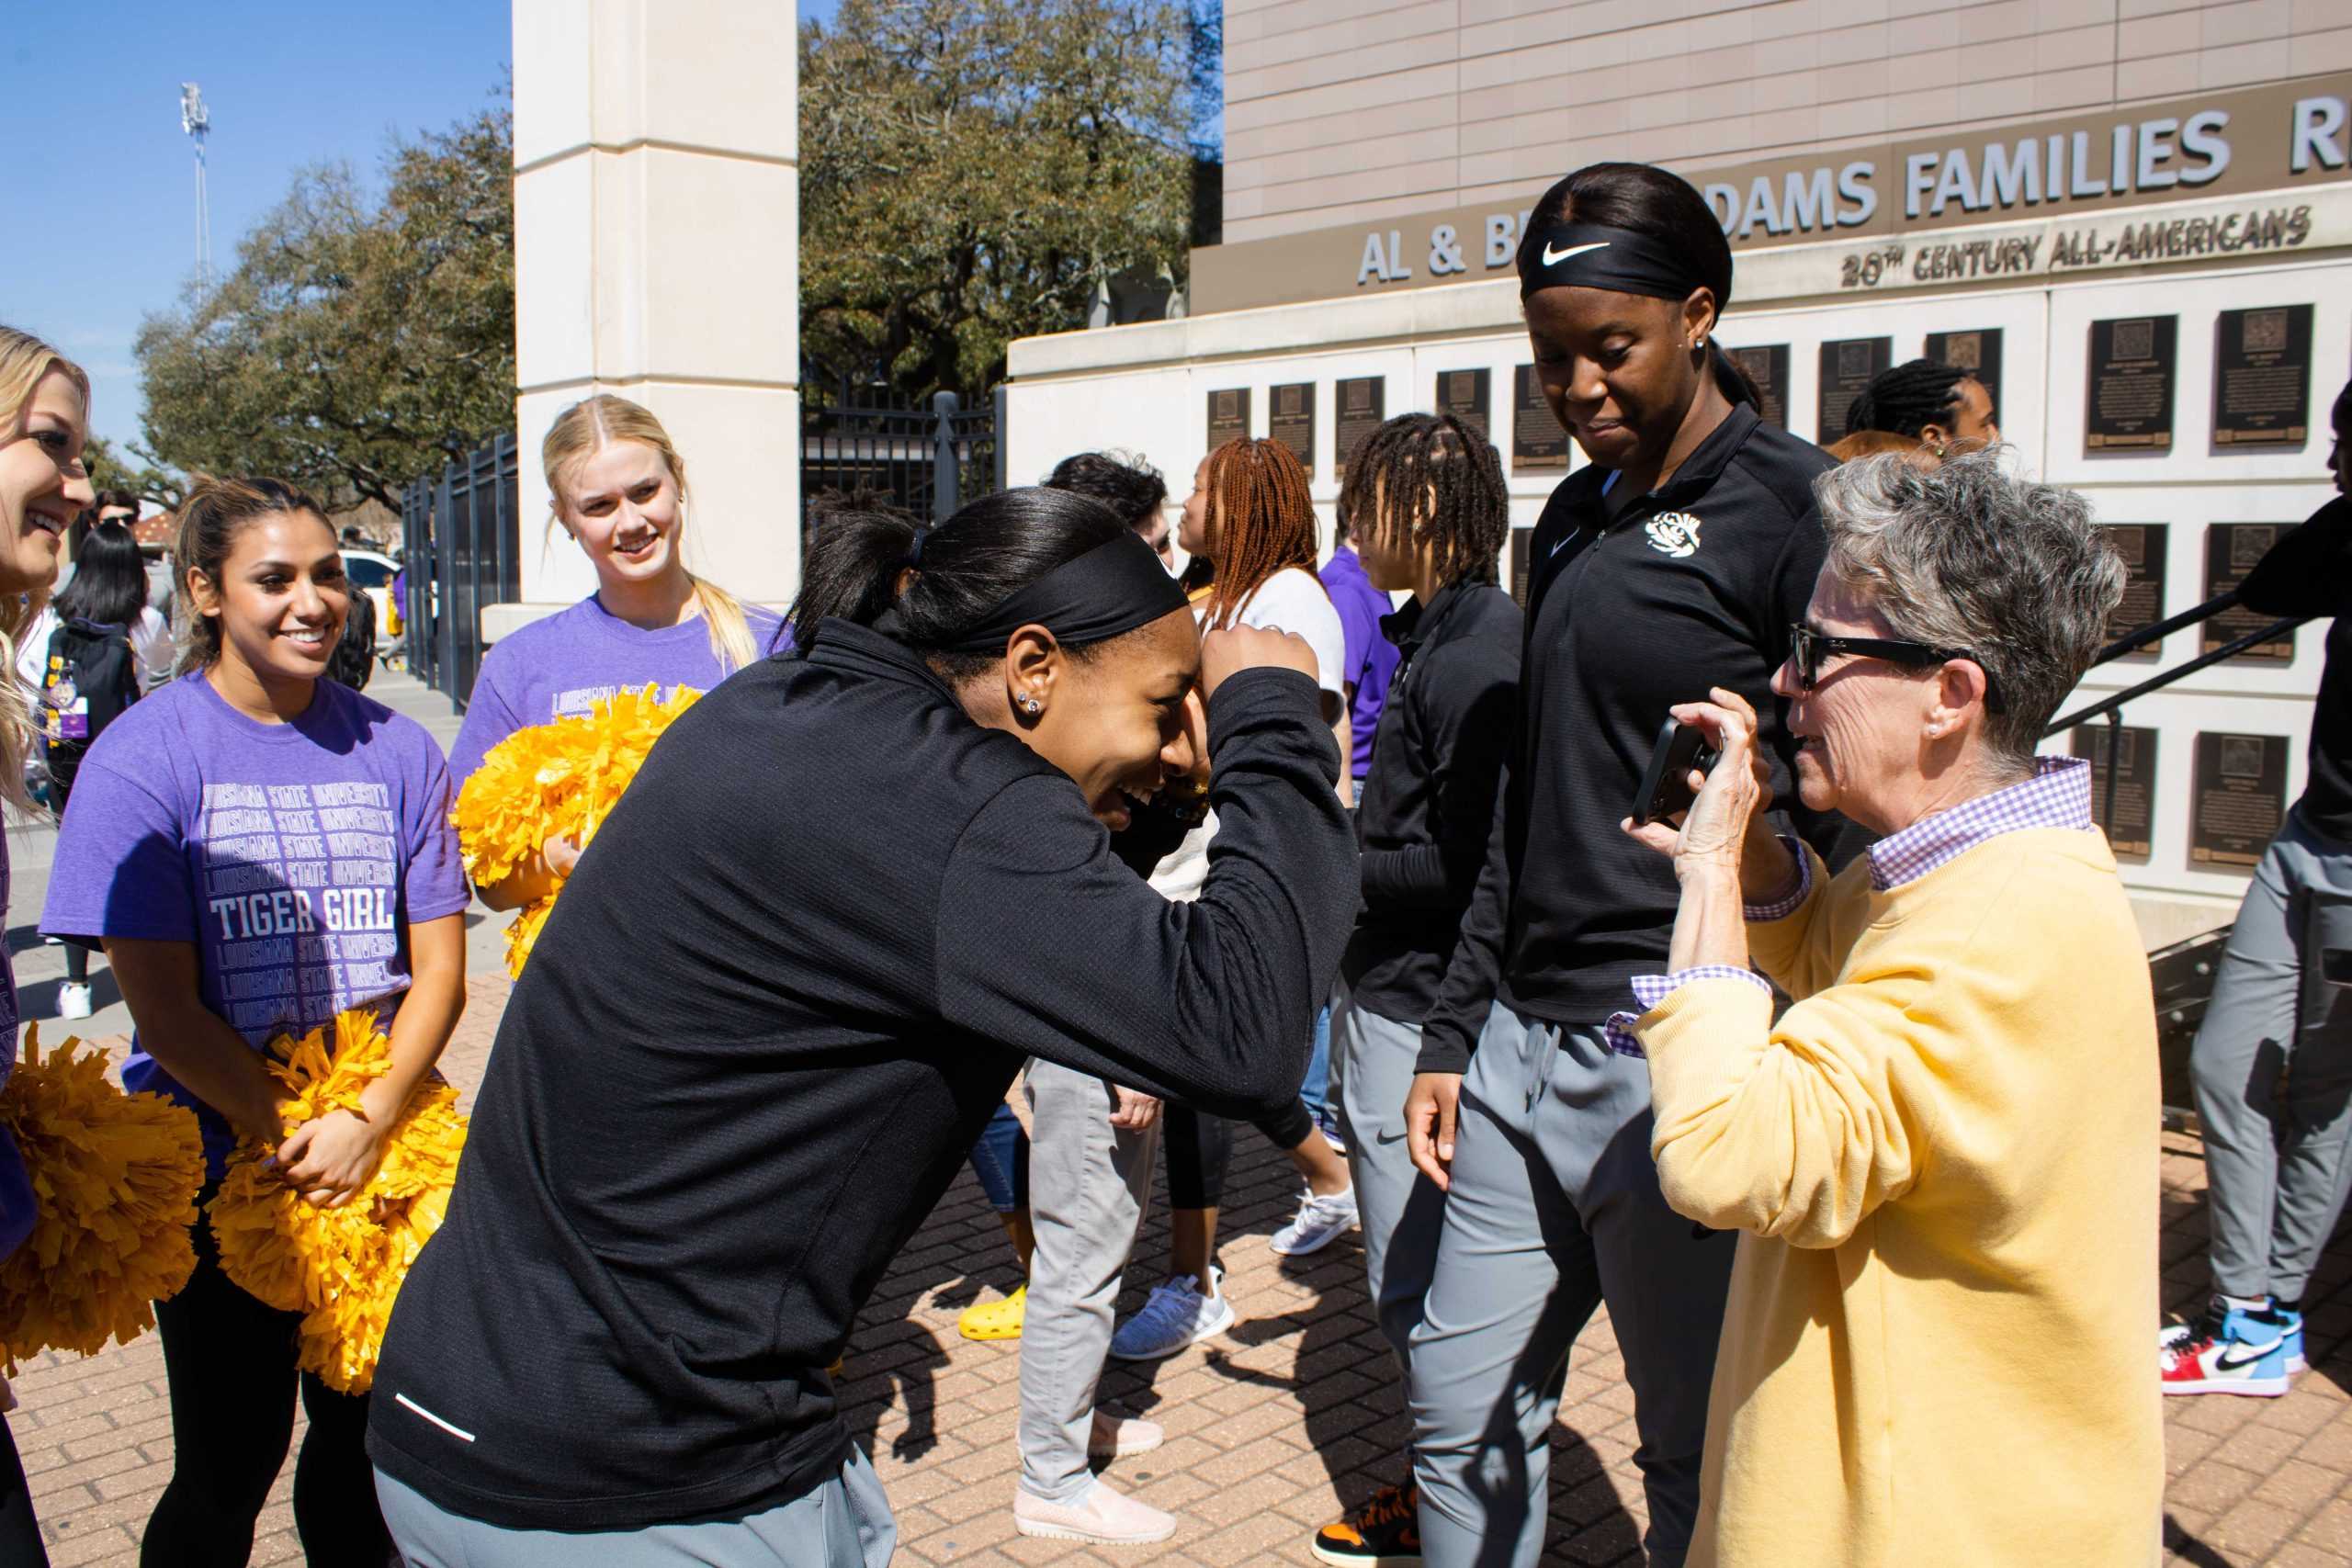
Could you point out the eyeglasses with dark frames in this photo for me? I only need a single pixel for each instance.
(1809, 648)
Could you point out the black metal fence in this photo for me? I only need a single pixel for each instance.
(930, 461)
(463, 551)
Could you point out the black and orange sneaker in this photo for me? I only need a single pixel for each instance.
(1385, 1533)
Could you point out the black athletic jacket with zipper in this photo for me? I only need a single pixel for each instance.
(1630, 611)
(775, 1005)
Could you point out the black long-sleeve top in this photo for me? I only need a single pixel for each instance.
(2309, 572)
(1630, 610)
(776, 1003)
(1428, 801)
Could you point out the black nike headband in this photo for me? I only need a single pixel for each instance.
(1112, 588)
(1587, 255)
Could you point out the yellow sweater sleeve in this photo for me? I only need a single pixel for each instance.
(1796, 1131)
(1793, 951)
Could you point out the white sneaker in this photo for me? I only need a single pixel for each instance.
(1101, 1515)
(1318, 1223)
(72, 1000)
(1120, 1436)
(1176, 1315)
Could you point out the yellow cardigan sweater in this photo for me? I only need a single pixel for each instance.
(1944, 1161)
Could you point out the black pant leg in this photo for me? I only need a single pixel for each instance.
(1199, 1148)
(230, 1361)
(20, 1543)
(335, 1511)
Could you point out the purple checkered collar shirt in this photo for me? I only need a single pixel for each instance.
(2058, 796)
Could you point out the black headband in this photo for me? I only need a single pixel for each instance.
(1112, 588)
(1586, 256)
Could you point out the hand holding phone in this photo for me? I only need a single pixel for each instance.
(1664, 788)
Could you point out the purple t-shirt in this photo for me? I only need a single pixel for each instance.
(1371, 659)
(295, 856)
(564, 665)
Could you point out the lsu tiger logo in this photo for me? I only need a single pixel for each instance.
(1673, 534)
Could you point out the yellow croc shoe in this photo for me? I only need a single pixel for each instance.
(995, 1320)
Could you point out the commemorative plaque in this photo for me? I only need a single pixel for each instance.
(1290, 419)
(2262, 377)
(2143, 546)
(1463, 394)
(1978, 352)
(1361, 402)
(1520, 559)
(1768, 365)
(2231, 550)
(1228, 416)
(2129, 402)
(2133, 830)
(1846, 368)
(2241, 799)
(1537, 442)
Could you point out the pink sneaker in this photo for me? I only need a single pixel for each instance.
(1116, 1437)
(1100, 1516)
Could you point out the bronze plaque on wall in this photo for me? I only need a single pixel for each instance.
(2262, 377)
(2128, 405)
(1847, 368)
(2240, 797)
(2133, 830)
(1768, 365)
(2231, 550)
(1361, 402)
(1537, 442)
(1290, 419)
(2143, 546)
(1228, 416)
(1518, 561)
(1463, 394)
(1978, 352)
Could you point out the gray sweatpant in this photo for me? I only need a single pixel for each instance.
(844, 1523)
(1399, 1209)
(1554, 1207)
(2273, 1065)
(1089, 1183)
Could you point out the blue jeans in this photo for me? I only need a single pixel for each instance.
(1000, 1159)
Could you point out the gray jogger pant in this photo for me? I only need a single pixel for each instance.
(1088, 1184)
(1554, 1207)
(1399, 1209)
(2273, 1065)
(844, 1523)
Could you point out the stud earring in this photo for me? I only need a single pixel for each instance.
(1032, 706)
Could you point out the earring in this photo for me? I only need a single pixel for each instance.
(1032, 706)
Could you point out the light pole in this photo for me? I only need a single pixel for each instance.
(195, 123)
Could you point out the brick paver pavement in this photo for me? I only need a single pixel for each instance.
(1272, 1427)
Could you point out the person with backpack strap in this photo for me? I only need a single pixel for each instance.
(107, 649)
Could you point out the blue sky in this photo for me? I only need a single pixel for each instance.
(103, 183)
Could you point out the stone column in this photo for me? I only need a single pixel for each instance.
(656, 256)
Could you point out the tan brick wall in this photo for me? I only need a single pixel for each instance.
(1339, 112)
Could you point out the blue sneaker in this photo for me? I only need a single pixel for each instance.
(2232, 1350)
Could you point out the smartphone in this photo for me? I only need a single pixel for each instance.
(1666, 782)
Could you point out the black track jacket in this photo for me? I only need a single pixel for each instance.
(775, 1005)
(1692, 586)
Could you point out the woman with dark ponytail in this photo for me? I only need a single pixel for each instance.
(1942, 407)
(1675, 561)
(783, 990)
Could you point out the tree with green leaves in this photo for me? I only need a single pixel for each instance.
(357, 343)
(135, 476)
(973, 171)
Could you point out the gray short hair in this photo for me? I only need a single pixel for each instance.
(1968, 556)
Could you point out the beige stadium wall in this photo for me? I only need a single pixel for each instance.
(1341, 113)
(1146, 388)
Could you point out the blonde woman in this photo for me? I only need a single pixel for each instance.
(620, 494)
(44, 419)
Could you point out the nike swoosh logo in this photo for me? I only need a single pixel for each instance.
(1554, 258)
(2226, 1363)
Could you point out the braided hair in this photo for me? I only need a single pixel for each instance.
(1907, 398)
(1262, 520)
(1434, 480)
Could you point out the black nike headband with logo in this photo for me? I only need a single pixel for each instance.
(1587, 255)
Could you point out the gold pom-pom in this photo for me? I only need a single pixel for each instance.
(340, 1268)
(115, 1178)
(554, 781)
